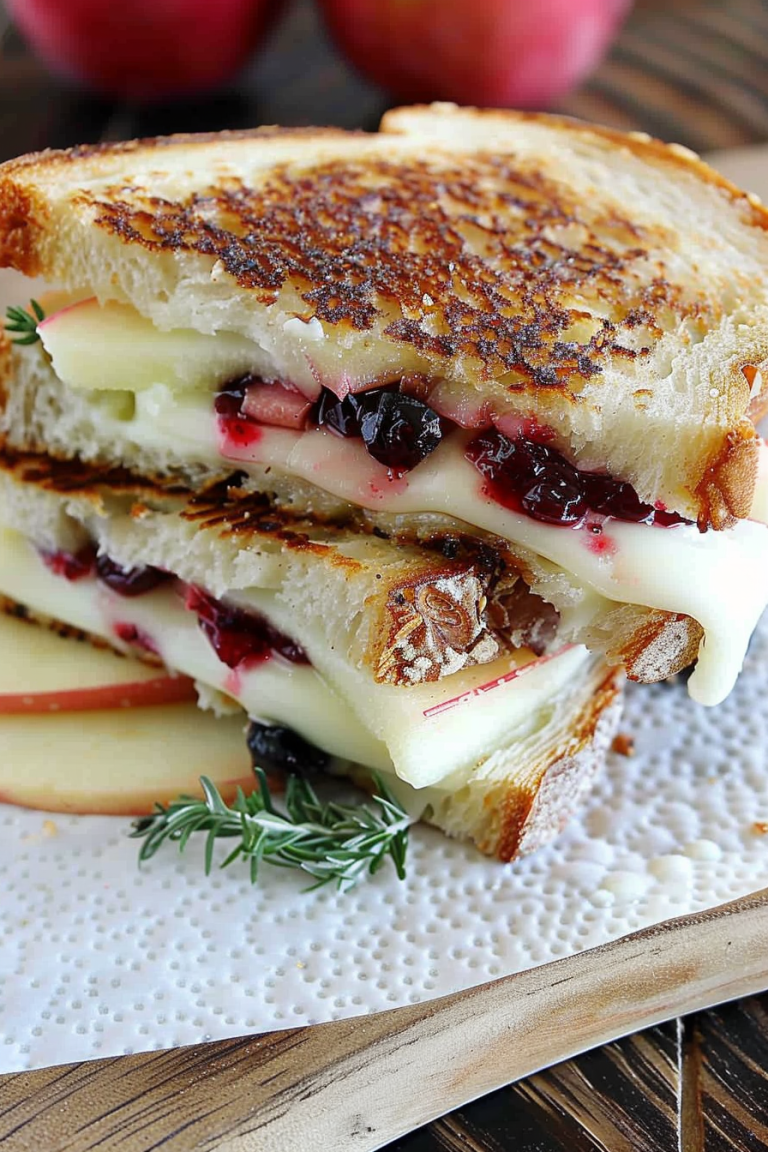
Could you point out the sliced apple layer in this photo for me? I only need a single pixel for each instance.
(119, 761)
(40, 671)
(114, 760)
(113, 347)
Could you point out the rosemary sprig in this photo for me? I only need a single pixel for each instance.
(24, 322)
(332, 842)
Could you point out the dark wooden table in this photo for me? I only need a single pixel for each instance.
(695, 71)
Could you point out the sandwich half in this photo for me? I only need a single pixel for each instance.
(544, 335)
(278, 618)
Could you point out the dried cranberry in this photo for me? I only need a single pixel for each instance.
(71, 565)
(237, 635)
(129, 581)
(343, 416)
(397, 429)
(278, 749)
(616, 498)
(530, 477)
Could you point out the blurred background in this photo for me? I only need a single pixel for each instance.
(76, 71)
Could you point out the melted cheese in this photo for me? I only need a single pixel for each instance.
(718, 578)
(425, 733)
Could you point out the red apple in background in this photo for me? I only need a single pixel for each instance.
(144, 49)
(502, 53)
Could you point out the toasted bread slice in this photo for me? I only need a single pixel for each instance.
(404, 613)
(609, 286)
(408, 603)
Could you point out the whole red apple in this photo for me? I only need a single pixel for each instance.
(502, 53)
(144, 49)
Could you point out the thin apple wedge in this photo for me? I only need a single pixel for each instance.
(119, 761)
(111, 346)
(43, 672)
(110, 758)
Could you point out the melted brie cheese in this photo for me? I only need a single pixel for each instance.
(718, 578)
(425, 733)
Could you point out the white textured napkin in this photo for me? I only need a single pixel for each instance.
(98, 958)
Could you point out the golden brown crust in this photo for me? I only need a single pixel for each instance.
(640, 144)
(537, 807)
(22, 216)
(648, 643)
(361, 236)
(59, 158)
(662, 644)
(728, 484)
(377, 241)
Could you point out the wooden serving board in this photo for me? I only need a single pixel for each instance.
(354, 1085)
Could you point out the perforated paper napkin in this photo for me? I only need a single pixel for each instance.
(98, 958)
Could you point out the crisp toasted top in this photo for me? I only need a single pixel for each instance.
(614, 287)
(486, 248)
(488, 257)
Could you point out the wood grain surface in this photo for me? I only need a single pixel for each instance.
(687, 70)
(690, 70)
(354, 1085)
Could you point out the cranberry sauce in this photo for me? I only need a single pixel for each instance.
(237, 428)
(529, 477)
(129, 581)
(136, 637)
(237, 635)
(397, 428)
(71, 565)
(86, 562)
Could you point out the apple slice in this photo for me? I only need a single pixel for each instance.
(112, 759)
(119, 761)
(41, 671)
(112, 346)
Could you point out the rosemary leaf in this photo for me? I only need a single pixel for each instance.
(332, 842)
(25, 323)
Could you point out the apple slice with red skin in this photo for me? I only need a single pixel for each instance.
(497, 54)
(147, 49)
(110, 759)
(120, 762)
(159, 690)
(41, 671)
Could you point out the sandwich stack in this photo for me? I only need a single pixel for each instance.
(410, 445)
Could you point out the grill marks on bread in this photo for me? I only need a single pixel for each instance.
(488, 258)
(426, 610)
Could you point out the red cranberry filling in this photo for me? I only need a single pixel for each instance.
(70, 565)
(397, 429)
(229, 401)
(136, 637)
(129, 581)
(237, 635)
(533, 478)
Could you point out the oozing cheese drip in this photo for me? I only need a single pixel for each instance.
(424, 733)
